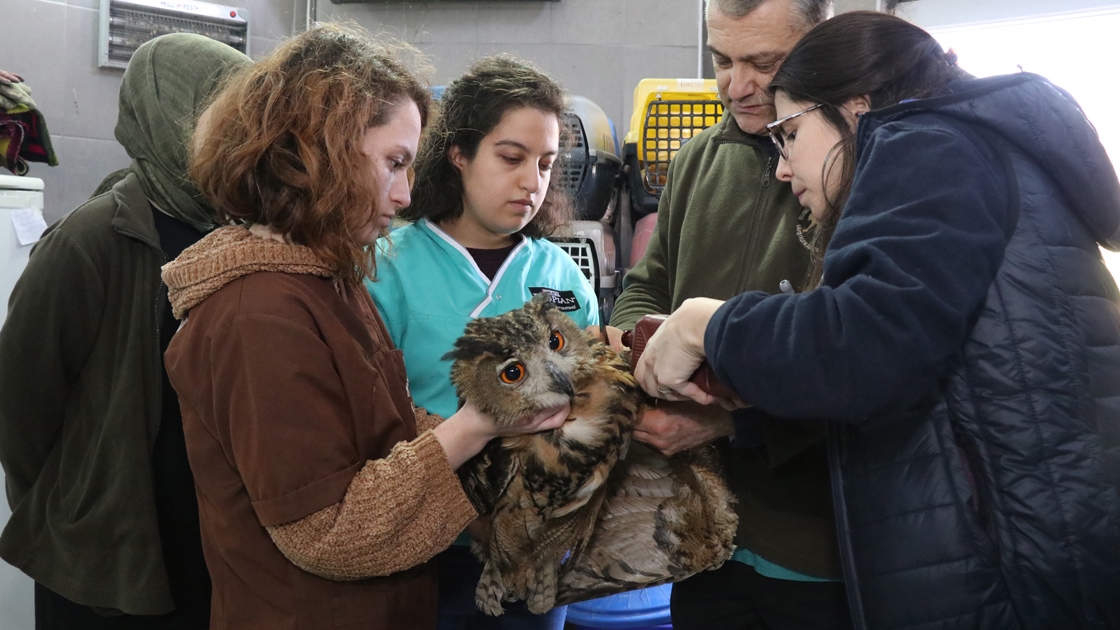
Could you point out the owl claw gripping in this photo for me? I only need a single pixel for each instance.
(547, 496)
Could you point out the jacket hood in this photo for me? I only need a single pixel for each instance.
(1046, 123)
(227, 254)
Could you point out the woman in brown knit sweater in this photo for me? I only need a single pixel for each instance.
(319, 504)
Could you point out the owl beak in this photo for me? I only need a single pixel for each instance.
(560, 382)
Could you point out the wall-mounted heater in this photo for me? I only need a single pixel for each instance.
(125, 24)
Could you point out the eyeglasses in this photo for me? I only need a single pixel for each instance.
(776, 134)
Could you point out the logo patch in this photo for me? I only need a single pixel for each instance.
(564, 300)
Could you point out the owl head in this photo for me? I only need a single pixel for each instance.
(518, 363)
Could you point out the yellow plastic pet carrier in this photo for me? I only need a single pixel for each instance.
(667, 113)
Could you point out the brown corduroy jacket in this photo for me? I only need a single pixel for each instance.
(304, 443)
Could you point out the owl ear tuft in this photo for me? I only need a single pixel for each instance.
(467, 348)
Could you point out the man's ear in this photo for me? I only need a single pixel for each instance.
(858, 104)
(455, 154)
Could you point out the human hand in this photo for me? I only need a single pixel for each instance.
(10, 77)
(468, 430)
(543, 420)
(675, 427)
(614, 336)
(674, 352)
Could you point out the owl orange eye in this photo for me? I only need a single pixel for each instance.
(512, 373)
(556, 341)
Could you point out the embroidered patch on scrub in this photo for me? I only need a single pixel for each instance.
(564, 300)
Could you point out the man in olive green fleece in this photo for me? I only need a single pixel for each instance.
(104, 515)
(726, 225)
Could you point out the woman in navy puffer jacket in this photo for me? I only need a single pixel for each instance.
(965, 334)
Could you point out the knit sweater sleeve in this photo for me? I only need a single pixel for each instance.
(426, 421)
(398, 512)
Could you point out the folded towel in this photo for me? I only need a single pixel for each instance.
(24, 138)
(13, 95)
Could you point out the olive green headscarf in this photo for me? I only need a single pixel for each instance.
(167, 81)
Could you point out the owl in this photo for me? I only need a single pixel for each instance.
(570, 514)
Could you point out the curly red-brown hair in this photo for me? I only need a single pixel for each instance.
(281, 144)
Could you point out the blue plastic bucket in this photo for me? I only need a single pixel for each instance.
(647, 609)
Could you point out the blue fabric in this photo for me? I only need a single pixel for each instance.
(966, 339)
(765, 568)
(428, 288)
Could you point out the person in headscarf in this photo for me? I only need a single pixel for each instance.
(104, 516)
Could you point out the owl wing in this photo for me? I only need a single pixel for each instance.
(486, 476)
(664, 519)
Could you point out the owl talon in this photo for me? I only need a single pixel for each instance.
(489, 593)
(493, 609)
(543, 598)
(538, 604)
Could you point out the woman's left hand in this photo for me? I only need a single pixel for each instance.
(543, 420)
(675, 351)
(468, 430)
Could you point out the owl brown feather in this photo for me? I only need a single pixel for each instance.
(664, 519)
(566, 520)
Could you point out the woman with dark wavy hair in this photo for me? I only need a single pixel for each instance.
(322, 491)
(483, 200)
(964, 337)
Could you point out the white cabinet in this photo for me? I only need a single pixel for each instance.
(16, 193)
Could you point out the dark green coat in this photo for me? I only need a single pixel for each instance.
(80, 388)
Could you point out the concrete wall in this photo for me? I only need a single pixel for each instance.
(598, 49)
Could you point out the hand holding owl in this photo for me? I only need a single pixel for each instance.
(674, 352)
(676, 427)
(468, 430)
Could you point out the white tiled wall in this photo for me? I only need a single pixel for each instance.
(598, 49)
(53, 45)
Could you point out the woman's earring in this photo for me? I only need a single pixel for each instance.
(805, 218)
